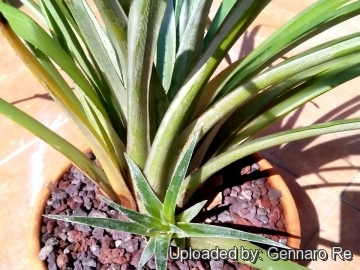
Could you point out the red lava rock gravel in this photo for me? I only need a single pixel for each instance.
(80, 247)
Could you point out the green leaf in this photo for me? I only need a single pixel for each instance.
(147, 253)
(222, 12)
(94, 142)
(177, 7)
(81, 54)
(175, 229)
(204, 147)
(105, 130)
(58, 143)
(116, 24)
(102, 50)
(318, 17)
(114, 146)
(241, 15)
(64, 11)
(190, 45)
(166, 47)
(182, 14)
(54, 28)
(276, 74)
(104, 223)
(50, 78)
(297, 97)
(158, 103)
(156, 230)
(235, 24)
(143, 30)
(92, 117)
(163, 220)
(71, 40)
(177, 114)
(238, 122)
(151, 202)
(265, 263)
(106, 43)
(29, 30)
(193, 181)
(206, 230)
(162, 244)
(172, 192)
(111, 157)
(191, 212)
(143, 220)
(34, 8)
(59, 90)
(100, 145)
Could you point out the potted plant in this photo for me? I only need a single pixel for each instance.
(144, 96)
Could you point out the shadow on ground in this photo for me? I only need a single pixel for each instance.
(322, 154)
(314, 158)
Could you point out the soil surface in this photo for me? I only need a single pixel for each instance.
(242, 200)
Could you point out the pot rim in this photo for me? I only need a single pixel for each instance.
(292, 221)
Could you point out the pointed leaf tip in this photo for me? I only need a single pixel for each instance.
(173, 191)
(151, 202)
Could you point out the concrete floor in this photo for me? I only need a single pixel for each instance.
(322, 173)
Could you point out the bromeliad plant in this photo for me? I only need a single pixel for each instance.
(144, 96)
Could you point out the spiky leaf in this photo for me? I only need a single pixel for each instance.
(191, 212)
(151, 201)
(105, 223)
(176, 181)
(147, 253)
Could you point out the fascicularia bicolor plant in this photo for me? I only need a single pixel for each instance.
(144, 97)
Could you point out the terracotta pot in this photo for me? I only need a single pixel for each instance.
(292, 223)
(34, 246)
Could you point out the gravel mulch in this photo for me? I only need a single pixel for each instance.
(245, 201)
